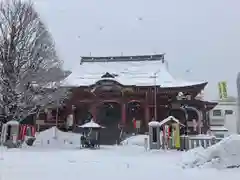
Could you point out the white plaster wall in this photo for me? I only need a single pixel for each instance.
(230, 121)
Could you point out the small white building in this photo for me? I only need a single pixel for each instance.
(223, 118)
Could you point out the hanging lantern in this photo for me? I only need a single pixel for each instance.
(46, 110)
(195, 124)
(49, 114)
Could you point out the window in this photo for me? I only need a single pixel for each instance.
(227, 112)
(217, 112)
(154, 134)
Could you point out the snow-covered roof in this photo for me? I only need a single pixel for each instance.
(12, 123)
(168, 119)
(127, 70)
(91, 124)
(154, 123)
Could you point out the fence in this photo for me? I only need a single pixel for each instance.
(190, 142)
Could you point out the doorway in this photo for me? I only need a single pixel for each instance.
(109, 114)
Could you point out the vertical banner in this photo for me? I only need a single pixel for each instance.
(173, 136)
(166, 136)
(222, 89)
(177, 136)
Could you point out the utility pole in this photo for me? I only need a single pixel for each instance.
(155, 97)
(155, 94)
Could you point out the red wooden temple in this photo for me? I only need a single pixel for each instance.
(116, 90)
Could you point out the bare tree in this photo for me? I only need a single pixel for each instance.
(30, 70)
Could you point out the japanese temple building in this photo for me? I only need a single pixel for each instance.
(116, 90)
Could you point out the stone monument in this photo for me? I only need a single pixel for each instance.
(154, 135)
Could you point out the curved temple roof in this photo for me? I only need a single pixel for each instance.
(127, 70)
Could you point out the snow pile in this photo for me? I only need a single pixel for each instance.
(225, 154)
(194, 157)
(137, 140)
(53, 137)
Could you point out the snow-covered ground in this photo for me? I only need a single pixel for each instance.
(129, 161)
(123, 162)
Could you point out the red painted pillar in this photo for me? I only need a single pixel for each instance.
(123, 113)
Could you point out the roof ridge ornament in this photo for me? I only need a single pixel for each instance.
(108, 75)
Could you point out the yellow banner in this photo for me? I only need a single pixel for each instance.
(177, 135)
(222, 89)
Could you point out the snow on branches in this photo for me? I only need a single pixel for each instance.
(30, 70)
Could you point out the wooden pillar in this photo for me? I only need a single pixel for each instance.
(205, 121)
(123, 113)
(200, 120)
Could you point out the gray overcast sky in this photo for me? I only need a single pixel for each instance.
(202, 36)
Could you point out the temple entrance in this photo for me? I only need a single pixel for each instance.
(135, 112)
(82, 113)
(109, 114)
